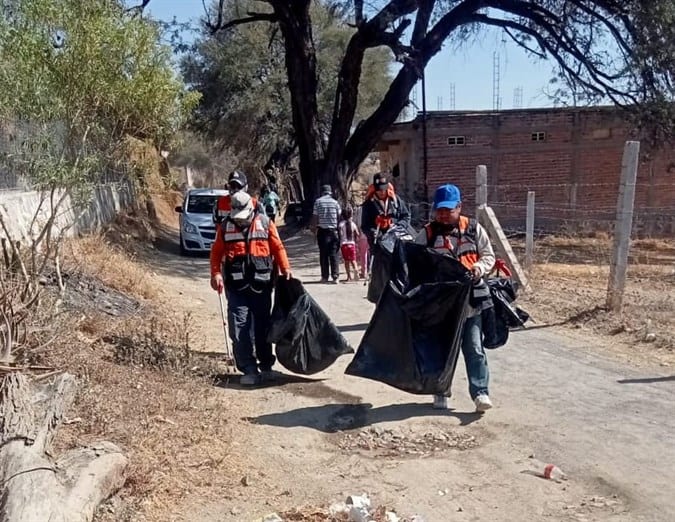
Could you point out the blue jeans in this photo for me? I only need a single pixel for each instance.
(477, 371)
(249, 312)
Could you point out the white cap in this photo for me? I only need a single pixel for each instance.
(242, 205)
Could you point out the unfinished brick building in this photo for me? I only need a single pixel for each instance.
(570, 157)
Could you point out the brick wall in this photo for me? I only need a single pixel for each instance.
(574, 170)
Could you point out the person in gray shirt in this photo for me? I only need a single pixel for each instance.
(325, 220)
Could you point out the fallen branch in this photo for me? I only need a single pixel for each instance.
(35, 486)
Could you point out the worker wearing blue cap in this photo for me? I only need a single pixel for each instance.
(467, 241)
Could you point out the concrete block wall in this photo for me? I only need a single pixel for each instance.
(19, 209)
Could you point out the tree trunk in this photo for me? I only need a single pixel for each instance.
(35, 486)
(296, 27)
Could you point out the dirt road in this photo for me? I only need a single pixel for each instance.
(310, 442)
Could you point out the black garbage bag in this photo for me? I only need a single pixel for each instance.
(306, 340)
(382, 253)
(504, 315)
(413, 339)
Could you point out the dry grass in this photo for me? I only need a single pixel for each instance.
(97, 257)
(570, 287)
(170, 422)
(141, 385)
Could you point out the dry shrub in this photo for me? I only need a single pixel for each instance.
(165, 205)
(161, 343)
(97, 257)
(95, 325)
(131, 225)
(173, 426)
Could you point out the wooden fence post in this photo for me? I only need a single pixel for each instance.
(481, 188)
(624, 224)
(529, 231)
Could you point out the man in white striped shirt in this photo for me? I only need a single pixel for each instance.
(325, 220)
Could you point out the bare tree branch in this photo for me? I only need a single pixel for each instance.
(602, 85)
(253, 17)
(137, 10)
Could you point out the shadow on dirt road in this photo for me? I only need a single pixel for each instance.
(332, 418)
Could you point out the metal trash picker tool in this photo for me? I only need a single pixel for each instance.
(229, 357)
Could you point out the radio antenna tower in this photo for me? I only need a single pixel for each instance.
(518, 97)
(439, 103)
(452, 96)
(496, 98)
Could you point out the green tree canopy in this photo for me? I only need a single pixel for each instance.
(241, 75)
(78, 76)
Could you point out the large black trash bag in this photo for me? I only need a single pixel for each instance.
(504, 315)
(382, 252)
(306, 340)
(413, 339)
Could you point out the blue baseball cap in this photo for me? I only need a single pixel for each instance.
(447, 196)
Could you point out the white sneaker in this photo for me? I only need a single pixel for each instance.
(440, 402)
(483, 403)
(250, 379)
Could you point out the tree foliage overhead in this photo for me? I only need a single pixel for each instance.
(241, 74)
(605, 49)
(76, 76)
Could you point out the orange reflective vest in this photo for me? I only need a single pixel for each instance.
(246, 257)
(461, 242)
(384, 220)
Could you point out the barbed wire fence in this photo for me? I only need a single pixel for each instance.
(559, 218)
(578, 223)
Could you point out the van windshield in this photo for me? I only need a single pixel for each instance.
(201, 204)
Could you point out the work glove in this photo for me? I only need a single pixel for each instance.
(217, 283)
(287, 274)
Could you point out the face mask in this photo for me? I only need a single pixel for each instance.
(442, 228)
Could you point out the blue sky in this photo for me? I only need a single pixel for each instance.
(469, 68)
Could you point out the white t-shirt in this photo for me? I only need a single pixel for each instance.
(343, 232)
